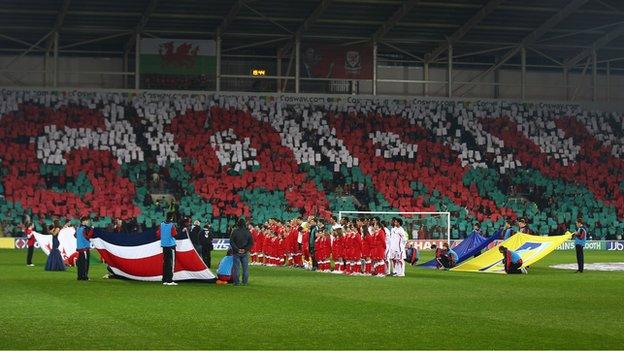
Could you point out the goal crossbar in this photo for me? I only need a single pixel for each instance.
(448, 217)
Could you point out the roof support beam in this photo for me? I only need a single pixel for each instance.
(556, 62)
(58, 23)
(418, 58)
(463, 30)
(16, 40)
(475, 53)
(401, 12)
(60, 18)
(403, 41)
(227, 20)
(594, 30)
(24, 53)
(138, 29)
(264, 17)
(607, 5)
(314, 16)
(581, 80)
(531, 38)
(89, 41)
(599, 43)
(265, 42)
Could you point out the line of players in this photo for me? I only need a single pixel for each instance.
(359, 246)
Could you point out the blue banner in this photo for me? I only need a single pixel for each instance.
(467, 248)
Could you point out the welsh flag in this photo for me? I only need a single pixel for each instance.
(67, 244)
(178, 57)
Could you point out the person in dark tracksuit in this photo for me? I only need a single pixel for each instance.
(411, 254)
(312, 240)
(167, 233)
(241, 242)
(580, 238)
(437, 255)
(524, 228)
(476, 229)
(512, 261)
(83, 247)
(508, 231)
(206, 244)
(449, 257)
(194, 235)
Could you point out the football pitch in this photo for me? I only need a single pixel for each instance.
(286, 308)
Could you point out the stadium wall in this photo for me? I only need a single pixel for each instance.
(103, 72)
(320, 99)
(540, 84)
(94, 76)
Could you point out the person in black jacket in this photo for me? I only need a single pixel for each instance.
(313, 232)
(241, 242)
(194, 235)
(524, 228)
(205, 239)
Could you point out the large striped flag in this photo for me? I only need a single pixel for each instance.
(138, 256)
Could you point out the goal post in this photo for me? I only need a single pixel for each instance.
(428, 220)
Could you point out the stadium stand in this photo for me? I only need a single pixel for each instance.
(104, 154)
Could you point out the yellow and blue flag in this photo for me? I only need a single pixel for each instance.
(531, 248)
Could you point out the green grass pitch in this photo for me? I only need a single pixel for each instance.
(285, 308)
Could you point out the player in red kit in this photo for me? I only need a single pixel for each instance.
(367, 248)
(30, 243)
(326, 247)
(378, 251)
(348, 248)
(295, 247)
(273, 249)
(280, 248)
(319, 252)
(357, 250)
(337, 248)
(259, 245)
(253, 253)
(266, 247)
(288, 252)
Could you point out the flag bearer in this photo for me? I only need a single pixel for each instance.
(84, 233)
(167, 233)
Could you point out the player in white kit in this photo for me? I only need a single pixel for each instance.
(396, 250)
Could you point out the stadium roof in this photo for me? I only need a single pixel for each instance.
(554, 32)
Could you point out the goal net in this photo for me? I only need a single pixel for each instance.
(418, 225)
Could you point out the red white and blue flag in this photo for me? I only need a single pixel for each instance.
(138, 256)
